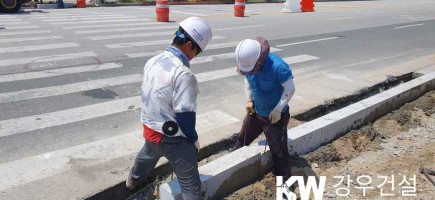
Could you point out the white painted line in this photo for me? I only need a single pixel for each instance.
(216, 74)
(35, 122)
(21, 27)
(97, 22)
(235, 28)
(144, 54)
(112, 25)
(131, 35)
(299, 59)
(126, 29)
(56, 162)
(308, 41)
(68, 89)
(400, 27)
(337, 77)
(21, 61)
(343, 18)
(24, 32)
(228, 72)
(57, 72)
(205, 59)
(30, 39)
(13, 23)
(89, 18)
(80, 17)
(189, 13)
(37, 47)
(154, 42)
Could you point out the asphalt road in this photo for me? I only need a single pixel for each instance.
(70, 79)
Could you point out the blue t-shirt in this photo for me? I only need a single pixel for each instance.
(266, 84)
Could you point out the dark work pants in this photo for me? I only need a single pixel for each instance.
(183, 157)
(276, 136)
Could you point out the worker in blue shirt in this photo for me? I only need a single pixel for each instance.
(269, 87)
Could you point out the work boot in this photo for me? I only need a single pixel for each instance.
(130, 183)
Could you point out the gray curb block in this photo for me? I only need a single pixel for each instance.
(237, 169)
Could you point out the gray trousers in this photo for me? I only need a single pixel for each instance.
(182, 155)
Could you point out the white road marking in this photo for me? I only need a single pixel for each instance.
(337, 77)
(14, 23)
(205, 59)
(235, 28)
(126, 29)
(149, 43)
(299, 59)
(400, 27)
(131, 35)
(97, 22)
(343, 18)
(144, 54)
(89, 18)
(57, 72)
(228, 72)
(21, 27)
(79, 17)
(189, 13)
(30, 39)
(35, 122)
(68, 89)
(37, 47)
(25, 124)
(111, 25)
(20, 61)
(308, 41)
(24, 32)
(56, 162)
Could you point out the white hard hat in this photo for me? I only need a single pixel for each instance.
(198, 30)
(247, 53)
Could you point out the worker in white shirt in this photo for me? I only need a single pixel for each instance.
(169, 93)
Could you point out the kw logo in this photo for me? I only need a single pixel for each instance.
(305, 190)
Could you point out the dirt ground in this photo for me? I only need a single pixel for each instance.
(396, 144)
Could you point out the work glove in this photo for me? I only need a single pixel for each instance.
(197, 145)
(250, 110)
(274, 116)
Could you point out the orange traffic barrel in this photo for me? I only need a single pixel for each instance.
(162, 10)
(307, 5)
(239, 8)
(81, 3)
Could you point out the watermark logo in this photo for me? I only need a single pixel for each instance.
(304, 189)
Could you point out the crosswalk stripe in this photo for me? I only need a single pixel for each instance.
(228, 72)
(308, 41)
(111, 25)
(56, 162)
(30, 39)
(78, 16)
(300, 58)
(35, 122)
(223, 56)
(37, 47)
(20, 61)
(57, 72)
(30, 123)
(131, 35)
(68, 89)
(24, 32)
(13, 23)
(126, 29)
(22, 27)
(89, 18)
(235, 28)
(154, 42)
(97, 22)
